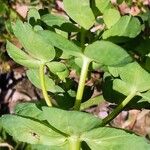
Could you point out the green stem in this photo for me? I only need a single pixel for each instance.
(74, 143)
(118, 109)
(44, 91)
(84, 71)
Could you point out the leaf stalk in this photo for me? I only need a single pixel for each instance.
(44, 91)
(118, 109)
(74, 143)
(83, 76)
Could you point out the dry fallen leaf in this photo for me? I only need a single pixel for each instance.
(134, 11)
(21, 9)
(124, 8)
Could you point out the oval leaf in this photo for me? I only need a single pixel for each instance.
(52, 20)
(145, 96)
(127, 26)
(33, 76)
(122, 87)
(33, 43)
(59, 69)
(33, 14)
(107, 53)
(21, 57)
(62, 43)
(45, 147)
(111, 17)
(115, 139)
(92, 102)
(29, 110)
(80, 12)
(33, 132)
(103, 5)
(72, 122)
(135, 76)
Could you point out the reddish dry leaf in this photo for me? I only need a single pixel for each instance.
(146, 2)
(98, 27)
(134, 11)
(22, 9)
(124, 8)
(59, 5)
(114, 2)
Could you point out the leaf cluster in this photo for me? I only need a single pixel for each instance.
(52, 46)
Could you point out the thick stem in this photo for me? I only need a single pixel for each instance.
(44, 91)
(118, 109)
(74, 143)
(84, 71)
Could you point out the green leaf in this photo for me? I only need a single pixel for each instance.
(59, 69)
(113, 71)
(52, 20)
(111, 17)
(37, 28)
(145, 96)
(107, 53)
(127, 26)
(72, 122)
(3, 8)
(45, 147)
(62, 43)
(29, 110)
(103, 5)
(21, 57)
(33, 14)
(109, 93)
(135, 76)
(147, 64)
(80, 12)
(33, 132)
(33, 76)
(122, 87)
(33, 43)
(59, 22)
(91, 102)
(114, 139)
(142, 47)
